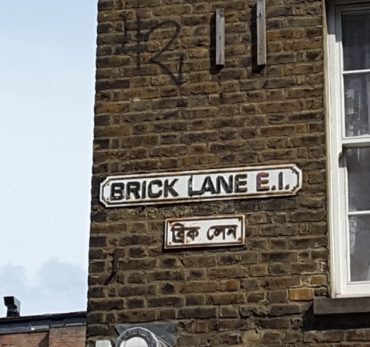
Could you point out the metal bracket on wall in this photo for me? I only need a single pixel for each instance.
(139, 337)
(220, 37)
(162, 332)
(261, 32)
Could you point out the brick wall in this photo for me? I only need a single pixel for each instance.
(55, 337)
(67, 337)
(23, 340)
(163, 107)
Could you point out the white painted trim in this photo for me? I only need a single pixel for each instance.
(360, 141)
(328, 106)
(334, 154)
(356, 72)
(359, 213)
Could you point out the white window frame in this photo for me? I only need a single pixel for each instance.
(338, 196)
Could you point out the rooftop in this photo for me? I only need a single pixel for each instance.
(14, 323)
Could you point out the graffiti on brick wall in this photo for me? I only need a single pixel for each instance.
(115, 265)
(143, 37)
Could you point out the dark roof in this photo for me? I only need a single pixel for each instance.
(43, 322)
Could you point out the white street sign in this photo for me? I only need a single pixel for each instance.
(204, 232)
(196, 186)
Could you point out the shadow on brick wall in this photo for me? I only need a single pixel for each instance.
(335, 321)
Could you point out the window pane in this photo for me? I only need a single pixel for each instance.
(359, 228)
(357, 103)
(358, 168)
(356, 40)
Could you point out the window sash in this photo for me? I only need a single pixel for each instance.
(339, 214)
(355, 72)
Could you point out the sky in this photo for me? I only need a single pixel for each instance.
(47, 68)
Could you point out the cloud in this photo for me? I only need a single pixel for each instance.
(58, 287)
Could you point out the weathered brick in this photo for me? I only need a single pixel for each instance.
(285, 309)
(301, 294)
(164, 301)
(198, 312)
(106, 304)
(225, 299)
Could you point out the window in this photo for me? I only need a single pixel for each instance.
(349, 138)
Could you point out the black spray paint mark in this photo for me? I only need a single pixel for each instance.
(142, 38)
(115, 265)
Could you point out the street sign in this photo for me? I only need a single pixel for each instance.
(198, 186)
(212, 231)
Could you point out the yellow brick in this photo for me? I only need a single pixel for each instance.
(301, 294)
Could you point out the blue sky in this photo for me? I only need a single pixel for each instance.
(47, 68)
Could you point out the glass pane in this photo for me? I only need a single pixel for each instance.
(358, 168)
(359, 228)
(357, 95)
(356, 40)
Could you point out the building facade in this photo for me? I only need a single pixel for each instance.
(49, 330)
(230, 190)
